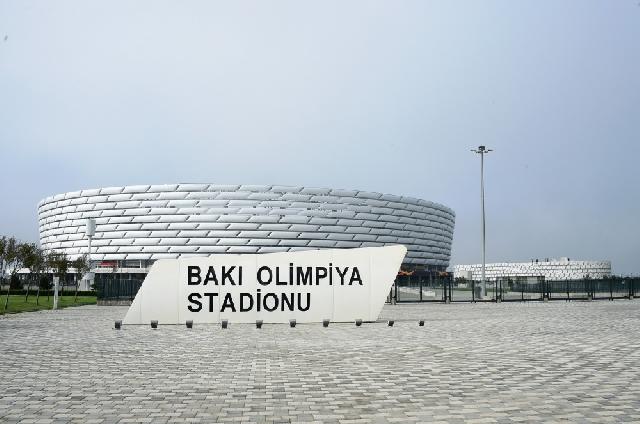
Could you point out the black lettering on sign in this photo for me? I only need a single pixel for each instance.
(228, 303)
(289, 301)
(193, 273)
(305, 276)
(342, 274)
(355, 276)
(266, 306)
(248, 305)
(321, 272)
(259, 299)
(194, 298)
(300, 307)
(278, 282)
(211, 296)
(268, 271)
(211, 276)
(226, 275)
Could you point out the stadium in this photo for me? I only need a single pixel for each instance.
(548, 269)
(136, 225)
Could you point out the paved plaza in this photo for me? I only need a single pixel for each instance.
(476, 363)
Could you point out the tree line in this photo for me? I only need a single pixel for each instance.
(16, 255)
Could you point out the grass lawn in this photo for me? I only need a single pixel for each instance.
(17, 303)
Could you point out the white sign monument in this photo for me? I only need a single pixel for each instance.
(341, 285)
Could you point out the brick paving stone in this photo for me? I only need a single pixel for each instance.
(470, 363)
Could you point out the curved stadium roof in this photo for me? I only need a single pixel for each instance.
(165, 221)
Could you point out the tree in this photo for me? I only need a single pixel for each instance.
(38, 266)
(23, 258)
(11, 260)
(3, 250)
(44, 283)
(14, 282)
(81, 264)
(49, 259)
(29, 252)
(15, 255)
(460, 281)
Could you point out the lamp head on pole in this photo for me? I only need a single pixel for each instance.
(482, 150)
(91, 227)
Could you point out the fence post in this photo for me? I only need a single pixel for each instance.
(473, 290)
(610, 289)
(395, 295)
(495, 290)
(420, 278)
(445, 291)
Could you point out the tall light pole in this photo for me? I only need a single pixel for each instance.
(482, 150)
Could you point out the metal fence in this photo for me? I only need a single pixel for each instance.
(422, 289)
(432, 288)
(117, 287)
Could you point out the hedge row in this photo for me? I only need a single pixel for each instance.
(66, 292)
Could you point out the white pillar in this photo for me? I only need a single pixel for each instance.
(90, 231)
(56, 281)
(87, 280)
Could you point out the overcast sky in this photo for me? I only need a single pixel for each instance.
(382, 96)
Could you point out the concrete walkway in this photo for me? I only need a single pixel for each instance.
(482, 363)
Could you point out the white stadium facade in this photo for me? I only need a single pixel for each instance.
(136, 225)
(547, 269)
